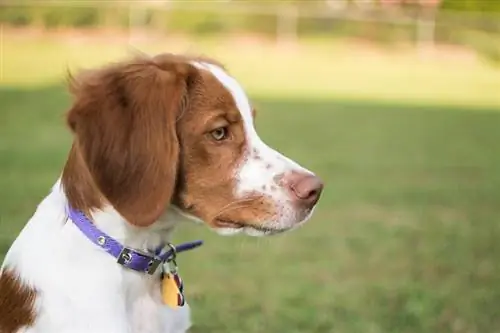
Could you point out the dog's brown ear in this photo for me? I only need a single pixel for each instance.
(124, 121)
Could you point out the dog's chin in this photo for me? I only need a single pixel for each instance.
(269, 228)
(229, 228)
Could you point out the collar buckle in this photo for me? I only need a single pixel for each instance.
(127, 255)
(145, 262)
(153, 265)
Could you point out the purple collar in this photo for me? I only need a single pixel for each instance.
(133, 259)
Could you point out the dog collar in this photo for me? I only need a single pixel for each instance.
(130, 258)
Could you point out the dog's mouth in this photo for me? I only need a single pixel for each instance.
(229, 224)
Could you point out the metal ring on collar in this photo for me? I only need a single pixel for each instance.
(173, 256)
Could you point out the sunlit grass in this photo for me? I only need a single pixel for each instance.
(310, 70)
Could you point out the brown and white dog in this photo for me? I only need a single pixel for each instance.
(156, 139)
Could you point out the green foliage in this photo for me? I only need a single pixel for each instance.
(17, 16)
(196, 22)
(184, 20)
(50, 17)
(71, 17)
(486, 6)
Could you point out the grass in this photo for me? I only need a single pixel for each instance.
(405, 238)
(319, 69)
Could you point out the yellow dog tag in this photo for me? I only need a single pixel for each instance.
(170, 291)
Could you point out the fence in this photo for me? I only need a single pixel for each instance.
(283, 21)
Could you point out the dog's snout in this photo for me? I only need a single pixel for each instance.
(304, 189)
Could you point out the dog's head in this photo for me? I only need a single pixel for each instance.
(172, 131)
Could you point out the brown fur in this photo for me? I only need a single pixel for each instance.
(142, 139)
(207, 178)
(17, 302)
(124, 120)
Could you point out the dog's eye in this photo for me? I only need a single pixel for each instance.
(219, 134)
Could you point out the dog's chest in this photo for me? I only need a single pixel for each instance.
(81, 289)
(136, 309)
(146, 316)
(144, 308)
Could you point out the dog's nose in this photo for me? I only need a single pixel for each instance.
(304, 189)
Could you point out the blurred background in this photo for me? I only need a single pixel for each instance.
(394, 103)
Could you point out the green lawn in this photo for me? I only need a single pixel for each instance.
(319, 69)
(406, 236)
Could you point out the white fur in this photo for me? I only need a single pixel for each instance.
(81, 288)
(261, 164)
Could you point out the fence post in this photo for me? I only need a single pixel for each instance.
(426, 26)
(287, 25)
(137, 18)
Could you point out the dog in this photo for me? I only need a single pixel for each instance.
(157, 139)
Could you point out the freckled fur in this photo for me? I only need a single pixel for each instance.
(142, 160)
(263, 166)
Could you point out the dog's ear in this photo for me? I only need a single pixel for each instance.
(124, 121)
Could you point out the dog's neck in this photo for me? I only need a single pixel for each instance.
(108, 220)
(80, 192)
(81, 286)
(51, 230)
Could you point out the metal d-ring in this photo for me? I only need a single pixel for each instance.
(170, 262)
(173, 256)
